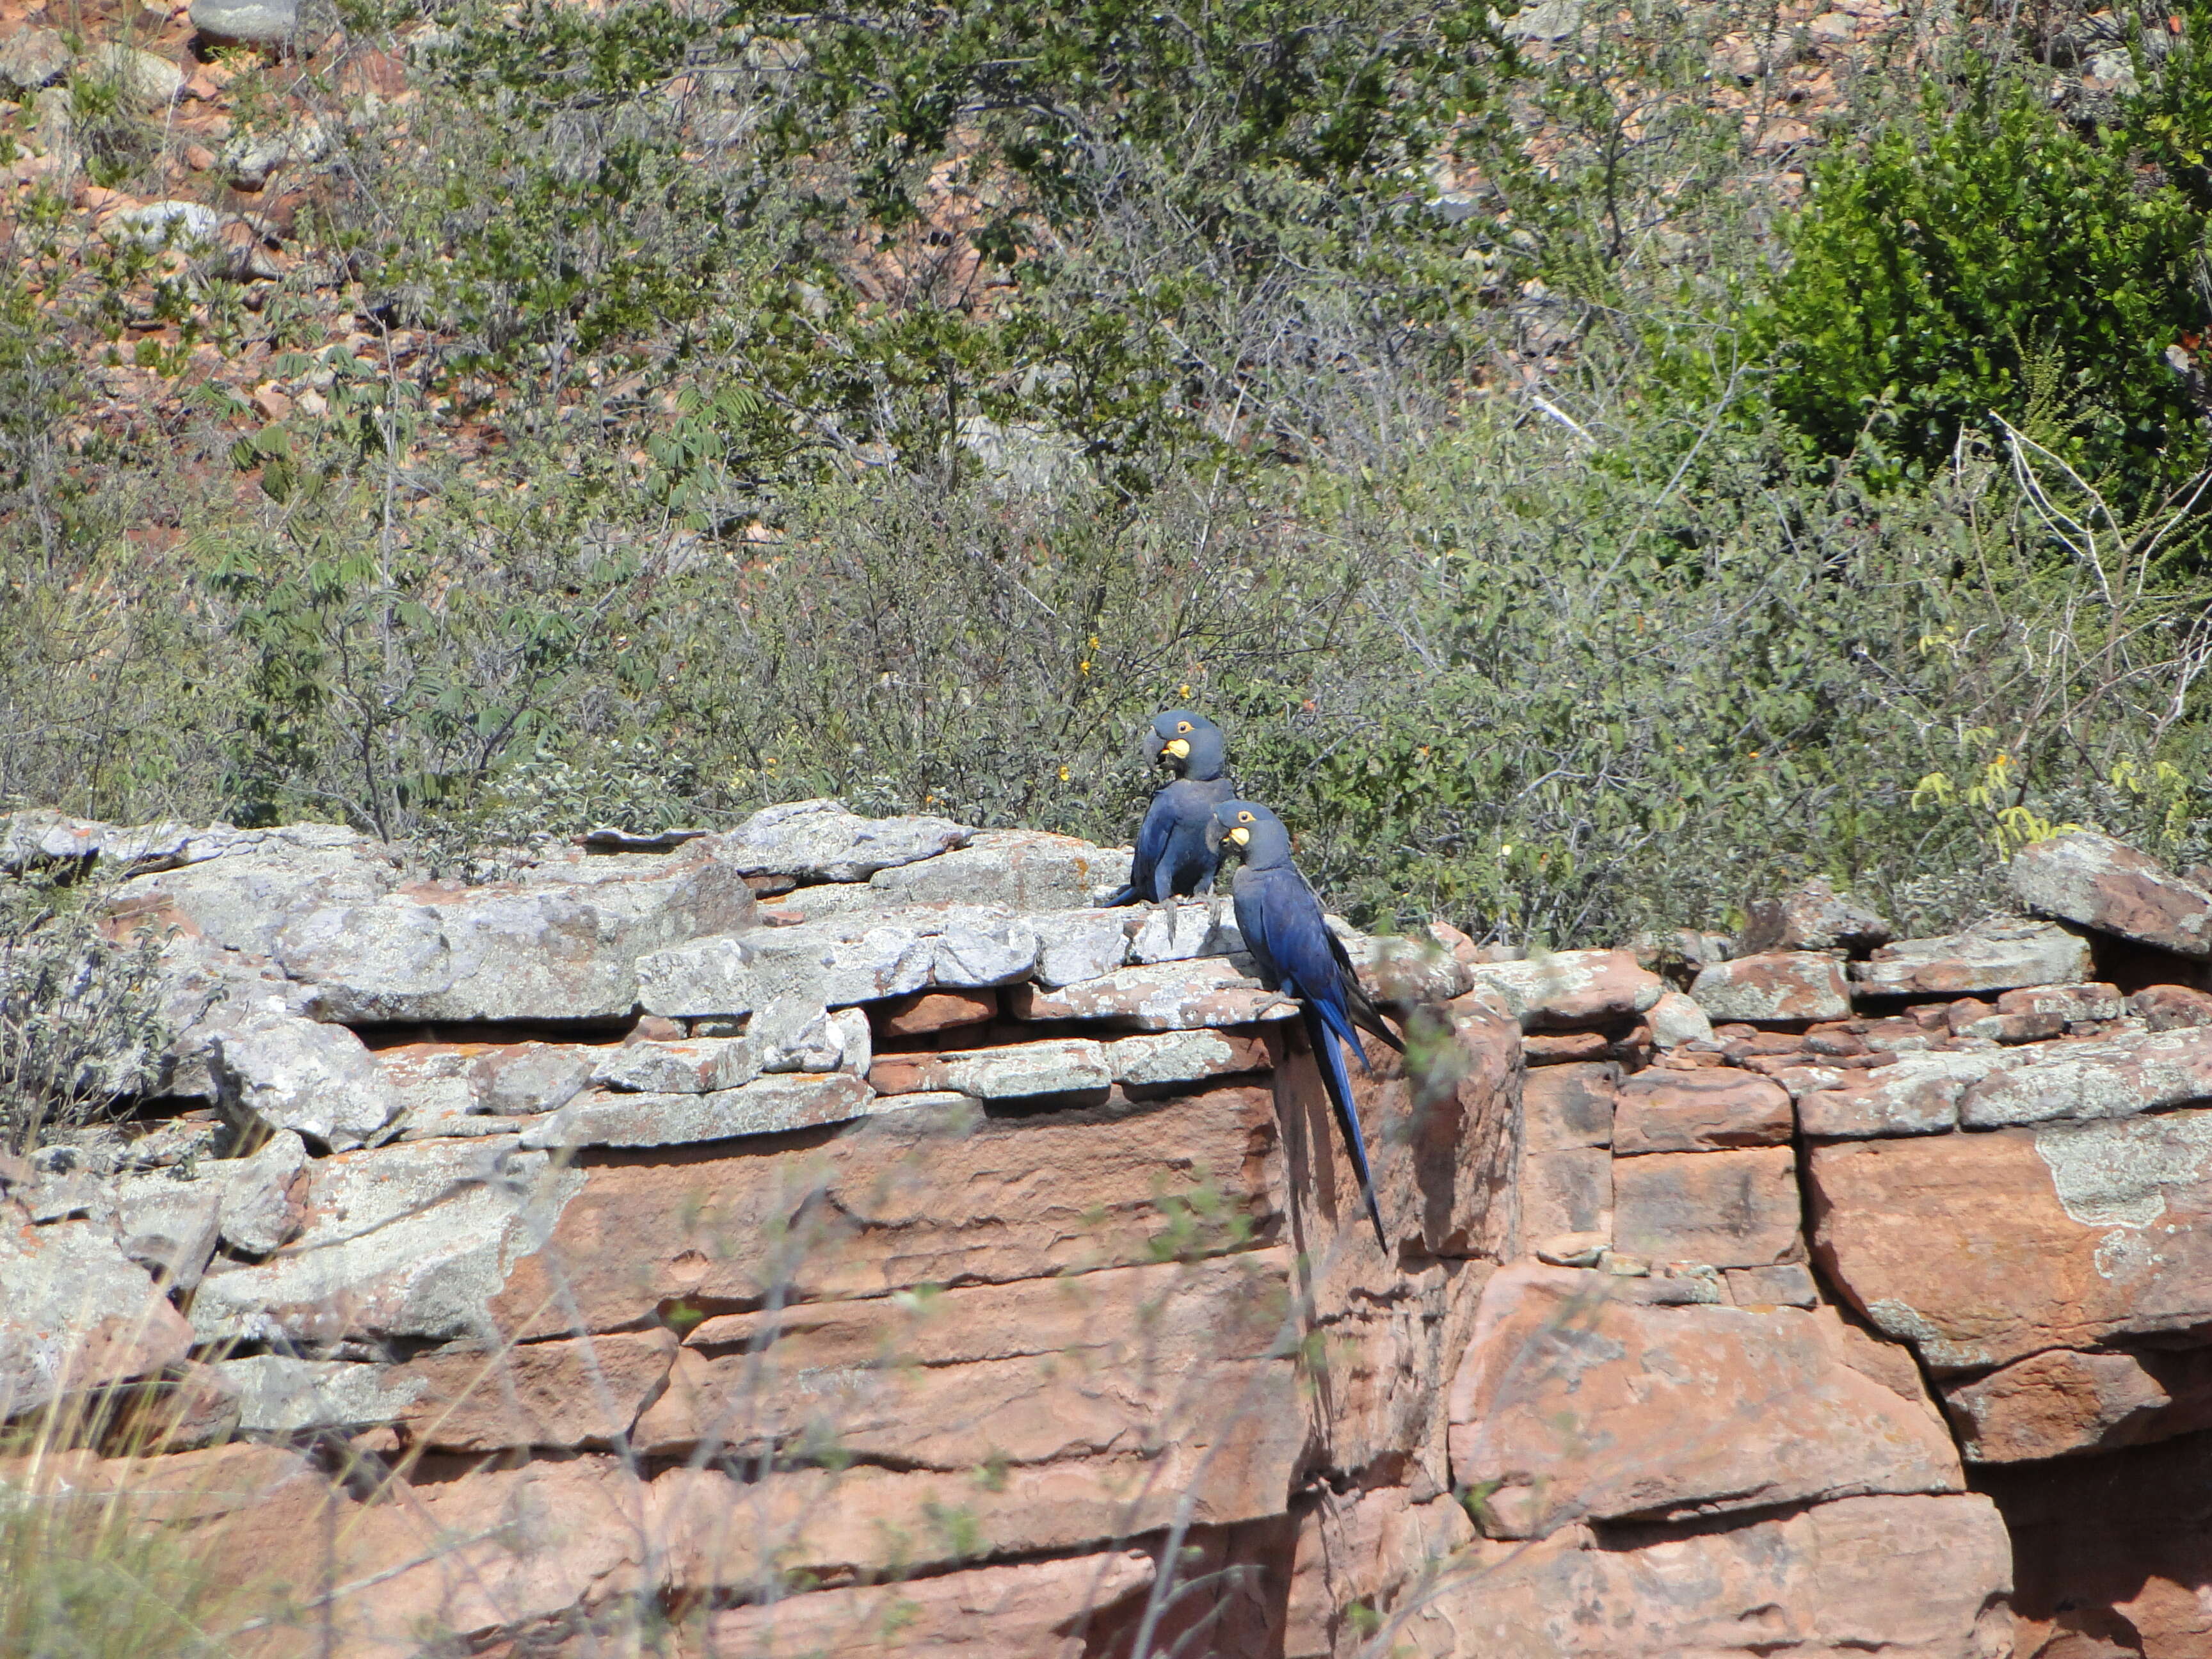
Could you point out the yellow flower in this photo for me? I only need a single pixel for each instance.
(1083, 667)
(1063, 774)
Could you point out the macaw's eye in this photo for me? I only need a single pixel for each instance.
(1243, 817)
(1182, 725)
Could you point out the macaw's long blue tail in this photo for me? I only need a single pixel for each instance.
(1338, 1084)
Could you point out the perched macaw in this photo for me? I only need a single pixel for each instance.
(1175, 858)
(1284, 930)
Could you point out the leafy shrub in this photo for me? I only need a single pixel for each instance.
(1938, 260)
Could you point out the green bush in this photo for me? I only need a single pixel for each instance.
(1939, 260)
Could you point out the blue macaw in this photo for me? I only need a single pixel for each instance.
(1284, 930)
(1173, 857)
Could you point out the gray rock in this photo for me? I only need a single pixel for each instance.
(1055, 1066)
(1079, 945)
(855, 1038)
(1676, 1019)
(1569, 988)
(151, 80)
(700, 1066)
(279, 1395)
(816, 840)
(183, 225)
(248, 159)
(1170, 996)
(551, 951)
(53, 130)
(1918, 1095)
(319, 1081)
(246, 22)
(2000, 954)
(2107, 884)
(29, 59)
(529, 1078)
(2126, 1075)
(237, 889)
(263, 1196)
(1027, 869)
(1184, 933)
(1394, 969)
(410, 1242)
(768, 1105)
(169, 1226)
(1778, 985)
(1165, 1057)
(704, 980)
(1815, 917)
(76, 1313)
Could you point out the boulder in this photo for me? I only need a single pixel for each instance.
(2054, 1404)
(409, 1242)
(515, 951)
(248, 158)
(246, 22)
(1570, 1105)
(580, 1394)
(1915, 1577)
(1711, 1111)
(1917, 1094)
(168, 1226)
(929, 1195)
(1153, 1059)
(1735, 1209)
(1981, 1249)
(2116, 1077)
(317, 1080)
(1779, 985)
(2171, 1008)
(189, 226)
(1569, 987)
(76, 1313)
(1073, 945)
(1000, 1373)
(818, 841)
(31, 59)
(281, 1396)
(2100, 882)
(1573, 1404)
(152, 79)
(252, 883)
(1814, 917)
(1173, 996)
(265, 1197)
(695, 1067)
(923, 1013)
(1182, 933)
(1035, 1607)
(1676, 1019)
(1995, 955)
(1027, 869)
(768, 1105)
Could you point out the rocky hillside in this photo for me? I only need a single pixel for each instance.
(834, 1236)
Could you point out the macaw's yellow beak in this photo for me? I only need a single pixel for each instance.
(1241, 835)
(1179, 747)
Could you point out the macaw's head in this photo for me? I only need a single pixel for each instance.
(1256, 834)
(1189, 742)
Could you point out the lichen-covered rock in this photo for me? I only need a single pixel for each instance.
(317, 1080)
(252, 883)
(1579, 1405)
(768, 1105)
(1918, 1094)
(406, 1242)
(265, 1197)
(1165, 997)
(76, 1313)
(521, 952)
(1981, 1249)
(246, 22)
(1814, 917)
(697, 1067)
(168, 1226)
(1569, 987)
(2092, 879)
(819, 840)
(29, 59)
(1027, 869)
(1676, 1019)
(1997, 955)
(278, 1395)
(2114, 1077)
(1779, 985)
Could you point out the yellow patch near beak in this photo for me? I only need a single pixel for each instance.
(1177, 747)
(1241, 835)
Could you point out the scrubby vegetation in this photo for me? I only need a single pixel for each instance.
(1560, 462)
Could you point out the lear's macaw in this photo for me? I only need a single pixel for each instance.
(1286, 932)
(1174, 857)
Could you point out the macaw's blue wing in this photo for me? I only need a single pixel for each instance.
(1152, 837)
(1338, 1084)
